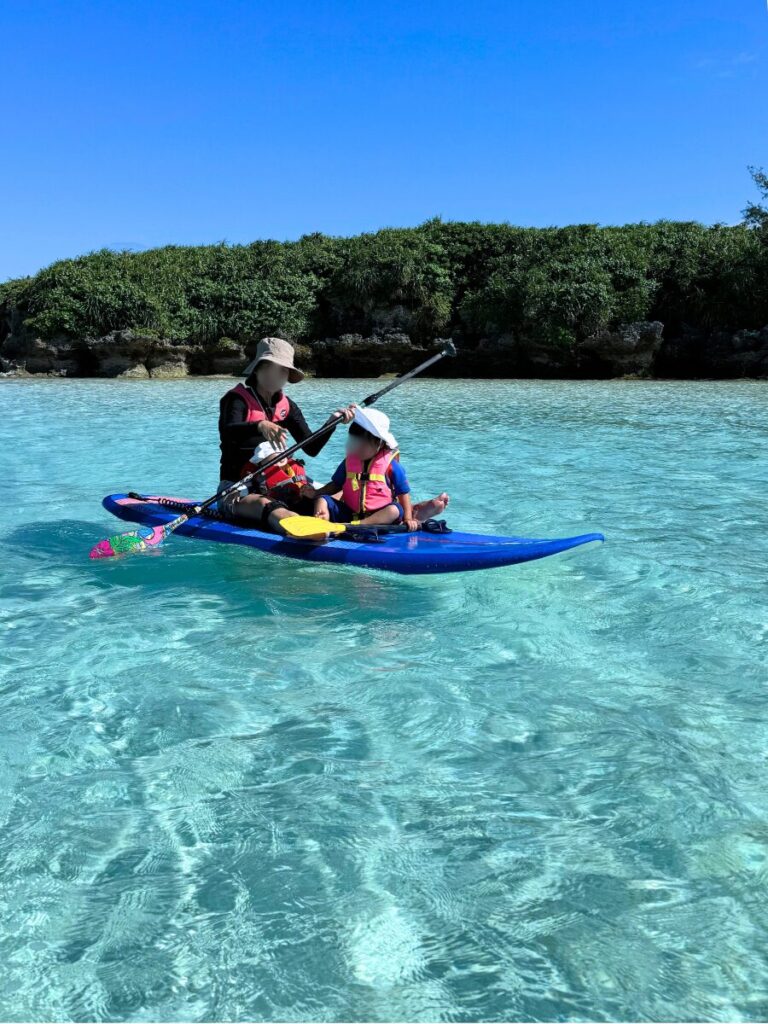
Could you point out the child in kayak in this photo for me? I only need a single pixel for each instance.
(283, 481)
(371, 486)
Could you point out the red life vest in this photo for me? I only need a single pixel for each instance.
(367, 490)
(279, 481)
(254, 408)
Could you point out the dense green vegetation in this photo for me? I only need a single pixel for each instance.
(469, 279)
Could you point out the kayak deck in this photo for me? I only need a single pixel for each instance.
(408, 553)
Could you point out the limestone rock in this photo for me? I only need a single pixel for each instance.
(637, 349)
(715, 354)
(169, 370)
(353, 355)
(122, 366)
(630, 350)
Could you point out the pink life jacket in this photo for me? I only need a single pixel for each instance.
(254, 408)
(366, 490)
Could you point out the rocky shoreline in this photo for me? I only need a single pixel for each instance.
(635, 350)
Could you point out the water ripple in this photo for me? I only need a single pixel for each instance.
(235, 788)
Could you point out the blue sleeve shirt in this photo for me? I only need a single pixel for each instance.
(398, 478)
(339, 476)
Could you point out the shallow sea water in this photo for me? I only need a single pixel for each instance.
(237, 787)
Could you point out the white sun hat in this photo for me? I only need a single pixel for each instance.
(376, 423)
(265, 450)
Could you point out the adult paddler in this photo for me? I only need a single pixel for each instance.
(256, 411)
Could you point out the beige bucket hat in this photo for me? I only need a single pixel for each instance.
(276, 351)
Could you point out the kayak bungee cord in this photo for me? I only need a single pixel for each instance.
(151, 537)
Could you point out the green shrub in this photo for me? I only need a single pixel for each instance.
(392, 268)
(556, 285)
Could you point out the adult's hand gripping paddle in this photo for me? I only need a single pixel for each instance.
(134, 541)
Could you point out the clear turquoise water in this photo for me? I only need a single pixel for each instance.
(241, 788)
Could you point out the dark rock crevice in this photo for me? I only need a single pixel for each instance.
(637, 349)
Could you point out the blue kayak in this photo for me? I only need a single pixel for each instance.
(408, 553)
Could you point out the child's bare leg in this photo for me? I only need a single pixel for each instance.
(278, 515)
(431, 508)
(321, 509)
(249, 506)
(252, 507)
(381, 517)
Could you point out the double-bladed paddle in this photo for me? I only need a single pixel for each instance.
(152, 536)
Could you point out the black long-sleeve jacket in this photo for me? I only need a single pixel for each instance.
(238, 438)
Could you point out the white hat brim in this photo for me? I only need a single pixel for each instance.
(384, 435)
(265, 450)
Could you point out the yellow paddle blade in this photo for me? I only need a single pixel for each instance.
(309, 526)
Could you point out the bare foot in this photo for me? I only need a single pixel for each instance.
(431, 508)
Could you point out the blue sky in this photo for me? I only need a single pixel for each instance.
(132, 125)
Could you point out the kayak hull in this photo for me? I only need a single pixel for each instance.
(406, 553)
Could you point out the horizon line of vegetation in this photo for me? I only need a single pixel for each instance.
(471, 279)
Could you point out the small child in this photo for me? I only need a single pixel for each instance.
(283, 481)
(370, 485)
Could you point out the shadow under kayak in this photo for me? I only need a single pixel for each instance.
(408, 553)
